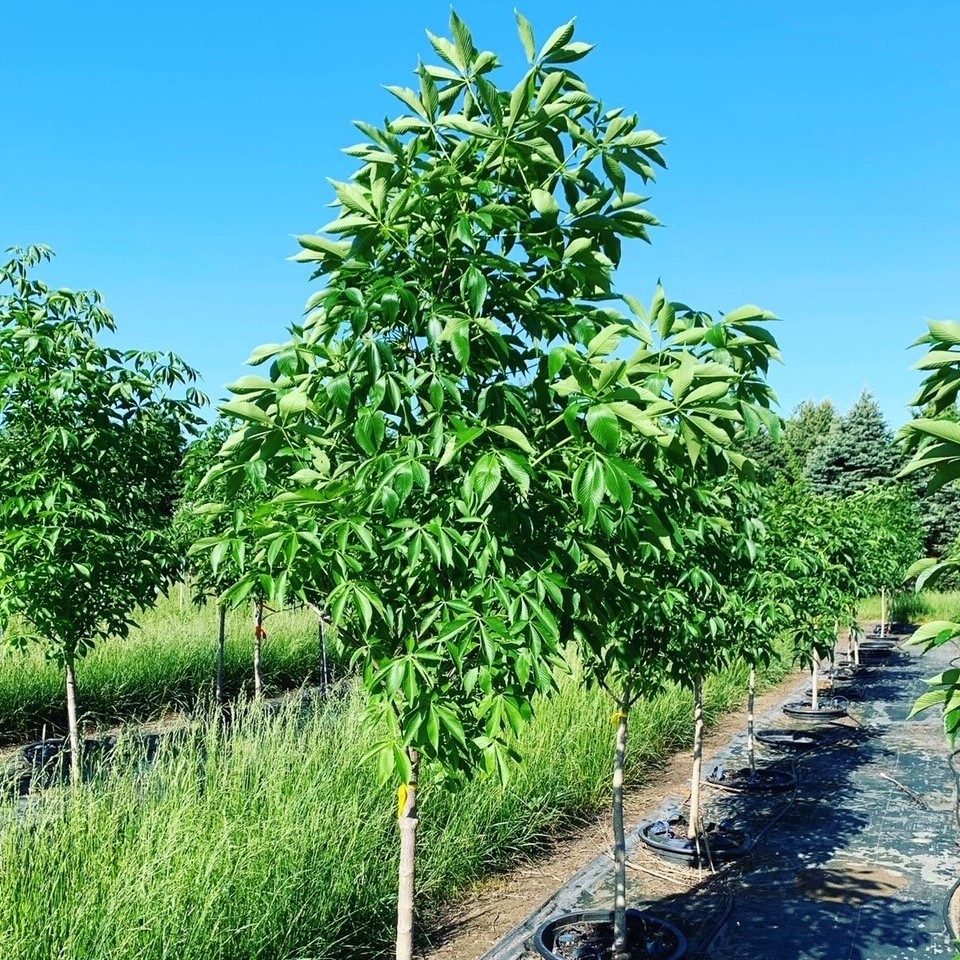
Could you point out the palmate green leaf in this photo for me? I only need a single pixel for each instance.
(633, 415)
(322, 247)
(706, 393)
(514, 435)
(604, 427)
(934, 633)
(410, 99)
(577, 247)
(250, 384)
(462, 39)
(607, 340)
(943, 429)
(518, 467)
(588, 486)
(292, 402)
(936, 359)
(570, 53)
(525, 30)
(485, 476)
(473, 286)
(929, 699)
(244, 410)
(944, 331)
(545, 203)
(559, 38)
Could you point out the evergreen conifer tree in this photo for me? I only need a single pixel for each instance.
(857, 454)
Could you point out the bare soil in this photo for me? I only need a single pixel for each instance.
(471, 926)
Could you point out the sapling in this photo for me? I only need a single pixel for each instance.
(90, 441)
(441, 430)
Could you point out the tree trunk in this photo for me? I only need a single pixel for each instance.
(693, 824)
(258, 635)
(324, 675)
(856, 646)
(221, 649)
(408, 859)
(73, 726)
(619, 839)
(815, 689)
(751, 696)
(883, 611)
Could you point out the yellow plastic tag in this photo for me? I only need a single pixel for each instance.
(401, 800)
(617, 717)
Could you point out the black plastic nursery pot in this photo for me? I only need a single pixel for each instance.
(759, 780)
(45, 752)
(830, 708)
(877, 648)
(49, 760)
(589, 936)
(788, 740)
(720, 843)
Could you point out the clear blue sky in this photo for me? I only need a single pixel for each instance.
(171, 151)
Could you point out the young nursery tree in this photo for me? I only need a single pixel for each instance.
(933, 441)
(647, 608)
(90, 444)
(450, 416)
(201, 522)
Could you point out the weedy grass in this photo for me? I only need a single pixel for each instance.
(167, 662)
(912, 607)
(275, 842)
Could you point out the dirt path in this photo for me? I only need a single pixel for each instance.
(473, 925)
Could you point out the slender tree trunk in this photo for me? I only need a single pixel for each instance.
(221, 651)
(694, 823)
(619, 839)
(258, 636)
(751, 696)
(883, 611)
(815, 689)
(408, 859)
(73, 726)
(856, 647)
(324, 675)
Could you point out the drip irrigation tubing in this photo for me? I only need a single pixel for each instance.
(723, 913)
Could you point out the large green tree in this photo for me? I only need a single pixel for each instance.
(449, 420)
(90, 443)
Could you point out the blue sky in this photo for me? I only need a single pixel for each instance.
(170, 152)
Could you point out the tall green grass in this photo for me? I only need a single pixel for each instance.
(911, 607)
(276, 843)
(169, 661)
